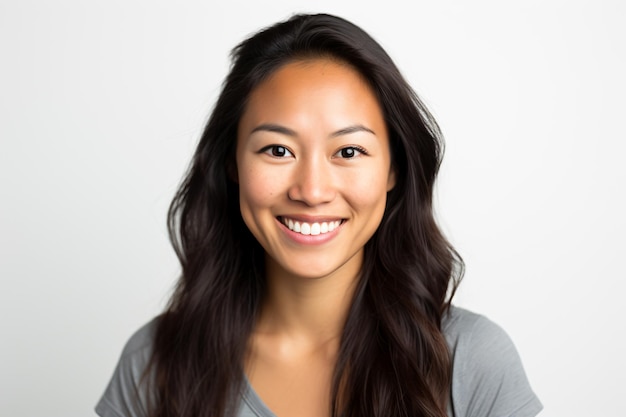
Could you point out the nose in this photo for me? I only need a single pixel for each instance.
(312, 182)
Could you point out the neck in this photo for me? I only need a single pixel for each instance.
(312, 310)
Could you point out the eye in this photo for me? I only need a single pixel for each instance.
(277, 151)
(350, 152)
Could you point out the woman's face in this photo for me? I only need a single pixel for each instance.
(313, 167)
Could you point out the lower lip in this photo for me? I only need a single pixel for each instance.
(309, 239)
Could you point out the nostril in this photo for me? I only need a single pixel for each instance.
(312, 192)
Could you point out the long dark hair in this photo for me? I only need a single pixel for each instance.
(393, 359)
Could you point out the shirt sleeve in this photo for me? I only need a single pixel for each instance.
(488, 376)
(124, 395)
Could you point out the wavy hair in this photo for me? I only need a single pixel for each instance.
(393, 359)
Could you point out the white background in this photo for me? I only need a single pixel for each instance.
(101, 104)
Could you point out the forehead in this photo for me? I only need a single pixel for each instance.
(315, 67)
(313, 72)
(326, 87)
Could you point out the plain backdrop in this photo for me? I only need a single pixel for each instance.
(102, 103)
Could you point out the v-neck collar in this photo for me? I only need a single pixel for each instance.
(254, 402)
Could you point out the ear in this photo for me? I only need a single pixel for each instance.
(391, 179)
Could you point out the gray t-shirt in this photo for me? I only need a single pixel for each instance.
(488, 379)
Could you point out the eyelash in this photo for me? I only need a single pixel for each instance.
(358, 149)
(271, 149)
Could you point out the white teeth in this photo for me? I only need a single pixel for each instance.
(312, 229)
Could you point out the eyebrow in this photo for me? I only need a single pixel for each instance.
(270, 127)
(353, 129)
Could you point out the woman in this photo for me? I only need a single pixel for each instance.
(315, 280)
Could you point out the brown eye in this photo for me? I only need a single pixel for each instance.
(350, 152)
(277, 151)
(347, 153)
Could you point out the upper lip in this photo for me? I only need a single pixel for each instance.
(310, 219)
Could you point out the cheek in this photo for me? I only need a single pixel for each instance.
(368, 189)
(256, 191)
(250, 202)
(371, 183)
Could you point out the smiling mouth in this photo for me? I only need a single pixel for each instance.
(313, 229)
